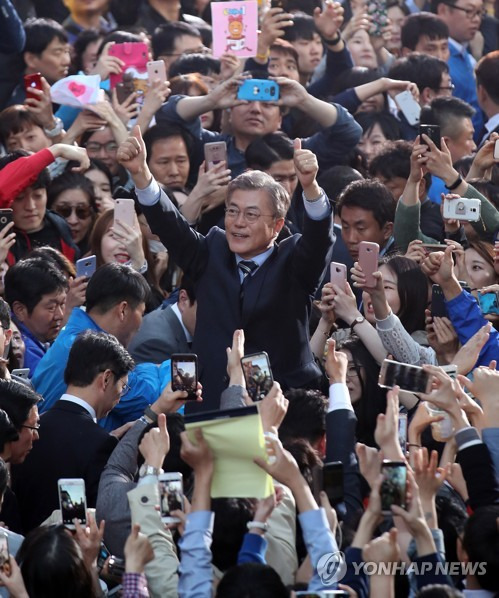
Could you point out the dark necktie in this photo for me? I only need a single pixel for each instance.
(246, 267)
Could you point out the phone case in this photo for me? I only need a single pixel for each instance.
(86, 266)
(462, 208)
(134, 55)
(258, 90)
(377, 10)
(409, 107)
(5, 217)
(124, 211)
(368, 260)
(438, 307)
(214, 153)
(32, 82)
(489, 303)
(432, 131)
(156, 70)
(338, 274)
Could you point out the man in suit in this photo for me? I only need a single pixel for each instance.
(71, 443)
(243, 279)
(166, 330)
(487, 75)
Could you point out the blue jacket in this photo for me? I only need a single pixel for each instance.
(35, 349)
(467, 319)
(146, 381)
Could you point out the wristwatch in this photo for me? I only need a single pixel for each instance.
(358, 320)
(57, 129)
(264, 526)
(149, 470)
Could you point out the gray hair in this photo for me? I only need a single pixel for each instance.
(254, 180)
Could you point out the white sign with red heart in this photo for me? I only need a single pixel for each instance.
(76, 90)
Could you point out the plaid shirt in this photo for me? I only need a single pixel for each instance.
(134, 586)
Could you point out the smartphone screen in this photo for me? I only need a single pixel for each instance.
(171, 495)
(257, 374)
(332, 476)
(403, 431)
(408, 377)
(72, 501)
(185, 373)
(393, 485)
(4, 553)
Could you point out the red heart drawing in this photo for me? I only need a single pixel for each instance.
(76, 89)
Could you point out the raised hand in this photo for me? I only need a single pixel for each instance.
(132, 155)
(307, 168)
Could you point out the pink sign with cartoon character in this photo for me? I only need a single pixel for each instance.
(235, 28)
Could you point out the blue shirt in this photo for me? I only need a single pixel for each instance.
(146, 381)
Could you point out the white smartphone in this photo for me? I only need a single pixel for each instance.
(338, 274)
(171, 495)
(86, 266)
(156, 69)
(409, 107)
(124, 211)
(73, 501)
(462, 208)
(21, 373)
(496, 150)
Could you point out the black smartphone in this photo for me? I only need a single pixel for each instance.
(438, 307)
(393, 486)
(257, 374)
(433, 132)
(5, 217)
(408, 377)
(185, 373)
(332, 481)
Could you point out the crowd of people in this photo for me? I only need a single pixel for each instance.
(326, 261)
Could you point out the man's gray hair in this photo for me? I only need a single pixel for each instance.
(254, 180)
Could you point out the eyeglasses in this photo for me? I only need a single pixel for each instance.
(200, 50)
(82, 212)
(125, 388)
(32, 428)
(110, 148)
(352, 372)
(471, 13)
(249, 215)
(451, 87)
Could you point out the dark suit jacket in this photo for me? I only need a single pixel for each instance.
(277, 298)
(479, 475)
(71, 445)
(159, 335)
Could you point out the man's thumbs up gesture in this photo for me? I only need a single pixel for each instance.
(306, 168)
(132, 155)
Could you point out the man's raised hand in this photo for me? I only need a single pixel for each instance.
(132, 155)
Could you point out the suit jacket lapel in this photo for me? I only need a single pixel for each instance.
(255, 286)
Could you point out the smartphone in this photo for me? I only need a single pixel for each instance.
(86, 266)
(124, 211)
(123, 91)
(496, 150)
(462, 208)
(403, 432)
(171, 495)
(73, 501)
(368, 261)
(278, 4)
(185, 373)
(134, 55)
(214, 153)
(432, 247)
(377, 10)
(438, 307)
(4, 553)
(432, 131)
(408, 377)
(21, 373)
(156, 69)
(393, 486)
(338, 274)
(257, 374)
(409, 107)
(489, 302)
(5, 217)
(332, 481)
(32, 82)
(258, 90)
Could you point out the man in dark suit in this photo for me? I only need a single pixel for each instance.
(71, 443)
(242, 278)
(166, 330)
(487, 74)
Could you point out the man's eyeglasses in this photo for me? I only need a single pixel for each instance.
(471, 13)
(34, 428)
(200, 50)
(451, 87)
(125, 388)
(82, 212)
(110, 148)
(248, 215)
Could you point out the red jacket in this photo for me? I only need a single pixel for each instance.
(22, 173)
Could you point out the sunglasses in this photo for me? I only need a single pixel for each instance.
(82, 212)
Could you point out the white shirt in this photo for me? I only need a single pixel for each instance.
(176, 311)
(81, 403)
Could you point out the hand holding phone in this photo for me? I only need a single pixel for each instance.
(33, 81)
(258, 90)
(338, 274)
(73, 501)
(185, 374)
(124, 211)
(257, 374)
(431, 131)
